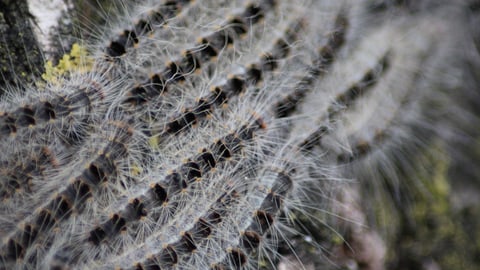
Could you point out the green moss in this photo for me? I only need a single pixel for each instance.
(431, 230)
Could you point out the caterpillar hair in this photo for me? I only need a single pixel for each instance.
(214, 134)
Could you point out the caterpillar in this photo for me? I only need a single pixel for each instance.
(215, 134)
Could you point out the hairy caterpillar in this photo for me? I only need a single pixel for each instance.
(203, 128)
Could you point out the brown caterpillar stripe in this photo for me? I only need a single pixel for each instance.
(178, 180)
(167, 258)
(313, 138)
(45, 220)
(61, 207)
(281, 47)
(14, 250)
(97, 235)
(344, 101)
(194, 58)
(363, 86)
(236, 258)
(186, 244)
(288, 104)
(359, 150)
(236, 84)
(362, 148)
(200, 231)
(128, 38)
(261, 220)
(18, 174)
(57, 210)
(53, 112)
(8, 127)
(250, 241)
(73, 197)
(78, 192)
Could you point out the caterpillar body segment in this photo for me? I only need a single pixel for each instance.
(216, 134)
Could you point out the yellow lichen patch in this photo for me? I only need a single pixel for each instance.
(75, 61)
(136, 170)
(153, 142)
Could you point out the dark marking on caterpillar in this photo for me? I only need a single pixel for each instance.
(19, 173)
(14, 250)
(135, 210)
(97, 235)
(237, 258)
(202, 229)
(220, 95)
(186, 244)
(207, 160)
(250, 240)
(160, 192)
(168, 256)
(369, 79)
(313, 139)
(288, 104)
(193, 59)
(238, 26)
(44, 220)
(129, 37)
